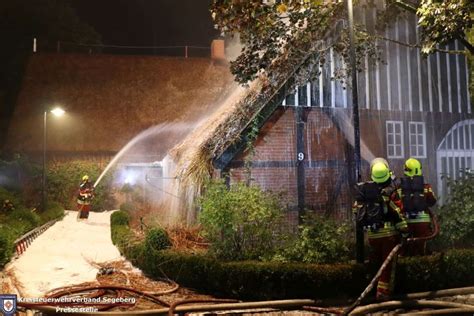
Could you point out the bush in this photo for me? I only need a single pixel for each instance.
(157, 239)
(64, 179)
(457, 214)
(54, 210)
(320, 240)
(127, 207)
(252, 280)
(119, 218)
(242, 222)
(8, 195)
(6, 246)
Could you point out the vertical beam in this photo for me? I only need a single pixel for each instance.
(430, 83)
(420, 88)
(458, 77)
(321, 94)
(389, 81)
(308, 93)
(440, 93)
(399, 70)
(377, 69)
(333, 81)
(300, 160)
(355, 115)
(409, 68)
(448, 74)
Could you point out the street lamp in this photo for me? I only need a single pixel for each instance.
(57, 111)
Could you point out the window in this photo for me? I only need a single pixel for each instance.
(394, 131)
(417, 139)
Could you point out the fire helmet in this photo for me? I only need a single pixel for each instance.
(380, 172)
(85, 178)
(412, 167)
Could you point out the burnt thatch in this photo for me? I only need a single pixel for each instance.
(109, 99)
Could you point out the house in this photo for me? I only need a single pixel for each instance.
(410, 106)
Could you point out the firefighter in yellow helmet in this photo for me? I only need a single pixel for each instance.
(415, 197)
(84, 198)
(382, 220)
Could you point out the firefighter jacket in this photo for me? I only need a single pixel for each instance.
(86, 193)
(376, 210)
(414, 198)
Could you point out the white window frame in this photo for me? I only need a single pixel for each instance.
(391, 136)
(416, 154)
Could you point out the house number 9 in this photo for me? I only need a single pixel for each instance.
(300, 156)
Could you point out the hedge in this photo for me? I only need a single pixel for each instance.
(251, 280)
(21, 220)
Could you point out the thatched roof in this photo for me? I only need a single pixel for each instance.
(109, 99)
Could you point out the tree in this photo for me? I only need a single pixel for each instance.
(285, 31)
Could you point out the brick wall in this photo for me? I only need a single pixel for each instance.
(273, 165)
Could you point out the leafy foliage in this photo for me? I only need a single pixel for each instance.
(320, 240)
(64, 179)
(443, 21)
(241, 222)
(277, 33)
(157, 239)
(20, 220)
(457, 214)
(119, 218)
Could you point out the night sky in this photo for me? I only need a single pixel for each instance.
(149, 22)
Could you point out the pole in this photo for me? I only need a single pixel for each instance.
(43, 189)
(355, 117)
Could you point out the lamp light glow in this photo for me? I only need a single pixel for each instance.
(58, 111)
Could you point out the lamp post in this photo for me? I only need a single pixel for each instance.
(57, 111)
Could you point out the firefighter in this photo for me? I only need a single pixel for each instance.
(383, 221)
(415, 198)
(84, 198)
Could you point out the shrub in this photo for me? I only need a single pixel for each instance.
(157, 239)
(8, 195)
(241, 222)
(64, 179)
(320, 240)
(457, 214)
(6, 246)
(119, 218)
(127, 207)
(54, 210)
(271, 280)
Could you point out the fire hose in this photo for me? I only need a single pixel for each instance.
(389, 258)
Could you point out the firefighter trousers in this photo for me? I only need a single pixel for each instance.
(380, 248)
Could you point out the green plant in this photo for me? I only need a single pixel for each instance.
(54, 210)
(119, 218)
(457, 214)
(157, 239)
(6, 246)
(242, 222)
(63, 183)
(320, 240)
(127, 207)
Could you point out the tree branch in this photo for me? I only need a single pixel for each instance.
(405, 6)
(461, 52)
(466, 44)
